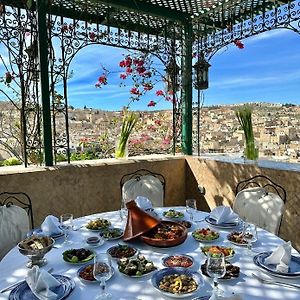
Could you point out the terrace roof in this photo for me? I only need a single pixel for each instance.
(156, 15)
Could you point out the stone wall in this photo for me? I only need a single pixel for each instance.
(83, 189)
(92, 187)
(220, 180)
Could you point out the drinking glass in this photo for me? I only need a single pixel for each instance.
(123, 210)
(66, 223)
(250, 235)
(216, 268)
(191, 206)
(102, 271)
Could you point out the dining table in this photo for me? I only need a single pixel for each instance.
(13, 265)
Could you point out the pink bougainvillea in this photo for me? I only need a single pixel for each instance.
(151, 103)
(239, 44)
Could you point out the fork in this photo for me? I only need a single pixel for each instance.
(270, 281)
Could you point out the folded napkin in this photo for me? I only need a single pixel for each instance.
(223, 214)
(281, 257)
(51, 225)
(143, 203)
(40, 282)
(214, 296)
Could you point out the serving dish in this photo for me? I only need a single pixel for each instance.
(112, 233)
(177, 282)
(35, 248)
(39, 232)
(186, 224)
(165, 234)
(173, 214)
(178, 260)
(227, 251)
(232, 271)
(85, 273)
(136, 267)
(23, 292)
(237, 238)
(122, 251)
(97, 224)
(205, 235)
(294, 266)
(78, 256)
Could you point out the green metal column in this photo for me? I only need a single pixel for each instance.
(187, 91)
(44, 79)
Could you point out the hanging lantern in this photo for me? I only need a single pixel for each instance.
(172, 72)
(201, 73)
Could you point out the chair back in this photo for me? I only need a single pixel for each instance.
(143, 183)
(19, 199)
(14, 225)
(255, 203)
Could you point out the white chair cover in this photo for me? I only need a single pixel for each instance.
(257, 206)
(147, 186)
(14, 224)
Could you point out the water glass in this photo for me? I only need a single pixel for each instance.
(216, 268)
(102, 271)
(66, 223)
(191, 207)
(123, 211)
(250, 235)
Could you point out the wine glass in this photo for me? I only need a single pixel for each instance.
(250, 235)
(216, 268)
(66, 223)
(102, 271)
(123, 210)
(191, 206)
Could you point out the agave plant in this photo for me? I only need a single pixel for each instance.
(129, 121)
(244, 116)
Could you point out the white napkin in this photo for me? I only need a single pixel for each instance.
(223, 214)
(51, 225)
(143, 203)
(281, 257)
(40, 282)
(214, 296)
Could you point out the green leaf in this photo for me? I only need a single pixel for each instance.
(29, 3)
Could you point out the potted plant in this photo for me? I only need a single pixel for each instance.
(244, 116)
(129, 121)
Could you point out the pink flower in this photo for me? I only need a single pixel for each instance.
(102, 79)
(92, 36)
(123, 76)
(140, 63)
(135, 91)
(128, 70)
(140, 70)
(239, 44)
(151, 103)
(157, 122)
(147, 74)
(160, 93)
(122, 64)
(128, 61)
(64, 28)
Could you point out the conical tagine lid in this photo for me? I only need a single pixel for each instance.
(138, 221)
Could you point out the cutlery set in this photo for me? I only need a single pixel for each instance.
(275, 282)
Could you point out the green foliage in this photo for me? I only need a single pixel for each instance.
(12, 161)
(61, 157)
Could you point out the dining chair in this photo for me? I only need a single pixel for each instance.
(259, 200)
(143, 183)
(16, 218)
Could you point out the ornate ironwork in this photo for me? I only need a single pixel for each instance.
(150, 26)
(17, 38)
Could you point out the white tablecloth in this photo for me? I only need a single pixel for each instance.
(12, 267)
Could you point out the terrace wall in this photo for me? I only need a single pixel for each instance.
(92, 187)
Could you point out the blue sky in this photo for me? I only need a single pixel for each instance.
(267, 69)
